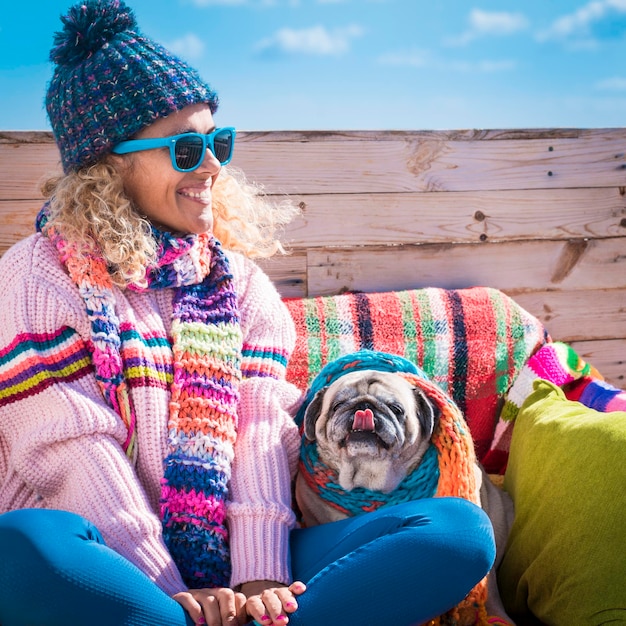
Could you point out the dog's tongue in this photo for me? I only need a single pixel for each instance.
(363, 420)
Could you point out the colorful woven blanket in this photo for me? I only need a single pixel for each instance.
(472, 342)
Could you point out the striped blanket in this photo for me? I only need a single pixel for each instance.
(472, 342)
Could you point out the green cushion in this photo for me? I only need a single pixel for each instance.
(566, 557)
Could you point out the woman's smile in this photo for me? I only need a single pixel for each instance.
(203, 195)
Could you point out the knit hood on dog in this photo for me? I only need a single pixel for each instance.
(353, 362)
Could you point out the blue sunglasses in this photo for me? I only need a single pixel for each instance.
(188, 150)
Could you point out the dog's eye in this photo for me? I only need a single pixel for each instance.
(335, 407)
(398, 409)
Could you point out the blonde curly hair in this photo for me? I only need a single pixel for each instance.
(90, 209)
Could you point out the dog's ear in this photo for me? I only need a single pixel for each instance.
(427, 412)
(312, 413)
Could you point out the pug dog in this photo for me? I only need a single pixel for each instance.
(373, 428)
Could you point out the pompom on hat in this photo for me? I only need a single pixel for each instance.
(110, 81)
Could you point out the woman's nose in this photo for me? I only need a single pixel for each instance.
(210, 163)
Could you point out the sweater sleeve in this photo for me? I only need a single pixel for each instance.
(266, 450)
(62, 445)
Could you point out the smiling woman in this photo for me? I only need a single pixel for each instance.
(147, 444)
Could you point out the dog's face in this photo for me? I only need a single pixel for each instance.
(371, 427)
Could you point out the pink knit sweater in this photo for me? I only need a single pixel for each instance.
(61, 445)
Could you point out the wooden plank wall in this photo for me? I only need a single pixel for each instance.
(540, 214)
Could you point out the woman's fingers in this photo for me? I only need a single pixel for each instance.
(272, 606)
(288, 595)
(222, 607)
(256, 609)
(211, 614)
(214, 607)
(287, 599)
(297, 587)
(240, 608)
(190, 604)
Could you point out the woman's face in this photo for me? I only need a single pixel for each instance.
(179, 202)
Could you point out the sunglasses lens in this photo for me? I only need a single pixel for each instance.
(223, 145)
(189, 152)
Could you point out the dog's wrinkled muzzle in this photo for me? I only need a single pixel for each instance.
(364, 427)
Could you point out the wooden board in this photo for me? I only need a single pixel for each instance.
(514, 267)
(408, 218)
(404, 161)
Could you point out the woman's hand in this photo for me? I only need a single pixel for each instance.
(269, 602)
(215, 607)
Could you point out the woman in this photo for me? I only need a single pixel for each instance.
(147, 445)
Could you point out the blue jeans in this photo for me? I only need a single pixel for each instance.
(400, 565)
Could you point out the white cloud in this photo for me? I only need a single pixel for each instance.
(616, 83)
(316, 40)
(487, 23)
(425, 59)
(413, 58)
(490, 23)
(578, 25)
(188, 46)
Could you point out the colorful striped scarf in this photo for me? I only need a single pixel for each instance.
(207, 352)
(447, 468)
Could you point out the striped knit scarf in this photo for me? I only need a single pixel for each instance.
(447, 468)
(206, 348)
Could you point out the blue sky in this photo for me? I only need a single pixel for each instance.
(363, 64)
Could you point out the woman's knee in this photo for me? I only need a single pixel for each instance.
(38, 522)
(31, 539)
(457, 513)
(440, 546)
(458, 525)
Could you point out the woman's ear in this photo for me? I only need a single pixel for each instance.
(120, 162)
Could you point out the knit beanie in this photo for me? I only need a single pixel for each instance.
(110, 81)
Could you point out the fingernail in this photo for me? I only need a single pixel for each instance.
(281, 617)
(266, 618)
(290, 605)
(201, 620)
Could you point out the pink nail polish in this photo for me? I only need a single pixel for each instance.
(290, 605)
(201, 620)
(281, 617)
(266, 618)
